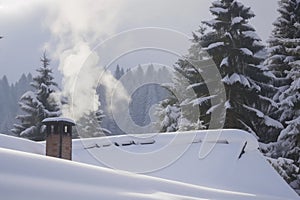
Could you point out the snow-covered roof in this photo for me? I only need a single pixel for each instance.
(29, 176)
(20, 144)
(221, 164)
(59, 119)
(233, 161)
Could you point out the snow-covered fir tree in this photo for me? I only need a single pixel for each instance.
(282, 42)
(192, 68)
(289, 99)
(189, 91)
(284, 62)
(89, 125)
(288, 170)
(288, 143)
(234, 46)
(169, 114)
(38, 104)
(283, 47)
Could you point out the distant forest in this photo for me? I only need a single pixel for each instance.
(9, 98)
(142, 100)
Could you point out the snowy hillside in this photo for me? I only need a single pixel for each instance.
(232, 170)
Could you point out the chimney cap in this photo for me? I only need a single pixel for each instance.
(59, 119)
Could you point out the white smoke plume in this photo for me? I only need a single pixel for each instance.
(76, 28)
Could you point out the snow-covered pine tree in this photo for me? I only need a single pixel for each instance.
(234, 46)
(288, 170)
(284, 62)
(46, 87)
(30, 121)
(286, 151)
(168, 113)
(189, 91)
(283, 46)
(288, 143)
(38, 104)
(89, 125)
(286, 28)
(190, 68)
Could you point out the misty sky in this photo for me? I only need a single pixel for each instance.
(31, 26)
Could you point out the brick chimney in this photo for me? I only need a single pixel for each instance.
(59, 137)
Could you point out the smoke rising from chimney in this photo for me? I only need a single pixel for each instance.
(76, 28)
